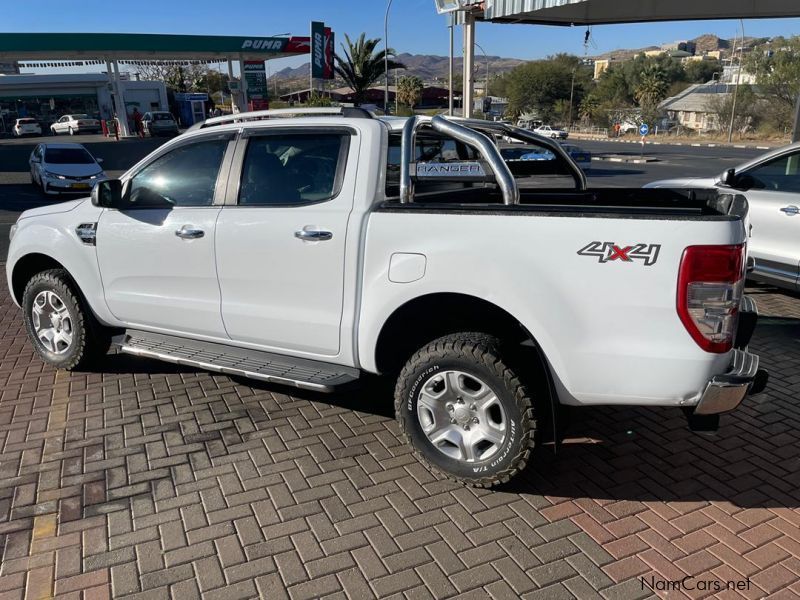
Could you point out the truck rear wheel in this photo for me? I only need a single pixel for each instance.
(61, 327)
(465, 411)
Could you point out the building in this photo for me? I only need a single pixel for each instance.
(601, 66)
(731, 74)
(681, 46)
(693, 107)
(48, 97)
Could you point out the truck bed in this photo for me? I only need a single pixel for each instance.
(635, 203)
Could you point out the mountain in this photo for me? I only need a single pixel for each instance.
(429, 68)
(705, 43)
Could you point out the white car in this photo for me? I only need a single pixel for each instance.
(307, 251)
(64, 168)
(74, 124)
(551, 132)
(26, 126)
(771, 184)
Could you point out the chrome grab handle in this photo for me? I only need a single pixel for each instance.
(313, 235)
(187, 232)
(790, 210)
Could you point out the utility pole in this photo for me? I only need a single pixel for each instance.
(571, 96)
(738, 81)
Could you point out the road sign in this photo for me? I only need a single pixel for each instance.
(644, 129)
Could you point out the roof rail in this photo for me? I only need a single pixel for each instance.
(258, 115)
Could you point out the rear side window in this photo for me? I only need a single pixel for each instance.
(292, 169)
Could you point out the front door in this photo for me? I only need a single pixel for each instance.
(773, 195)
(281, 247)
(157, 256)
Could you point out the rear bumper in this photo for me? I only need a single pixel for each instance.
(724, 393)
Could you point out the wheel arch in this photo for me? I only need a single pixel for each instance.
(428, 317)
(28, 266)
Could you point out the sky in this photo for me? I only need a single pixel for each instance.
(414, 26)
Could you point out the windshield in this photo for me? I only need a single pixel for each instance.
(26, 121)
(162, 117)
(67, 156)
(80, 116)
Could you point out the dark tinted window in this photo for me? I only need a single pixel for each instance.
(186, 176)
(291, 169)
(779, 175)
(430, 147)
(162, 117)
(67, 156)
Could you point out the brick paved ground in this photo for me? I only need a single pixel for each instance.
(148, 481)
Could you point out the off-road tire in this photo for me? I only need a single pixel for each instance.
(90, 340)
(476, 354)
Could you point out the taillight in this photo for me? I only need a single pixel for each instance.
(710, 286)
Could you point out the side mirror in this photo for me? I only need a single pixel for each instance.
(107, 193)
(728, 178)
(98, 160)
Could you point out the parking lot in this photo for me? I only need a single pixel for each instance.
(142, 479)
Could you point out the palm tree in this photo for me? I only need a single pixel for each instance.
(652, 88)
(361, 66)
(409, 91)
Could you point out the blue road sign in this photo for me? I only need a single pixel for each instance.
(644, 129)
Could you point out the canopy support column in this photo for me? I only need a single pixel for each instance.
(469, 61)
(119, 103)
(234, 95)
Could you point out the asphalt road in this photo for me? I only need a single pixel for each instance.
(17, 194)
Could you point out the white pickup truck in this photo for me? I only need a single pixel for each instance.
(309, 250)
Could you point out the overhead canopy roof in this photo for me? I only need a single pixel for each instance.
(597, 12)
(39, 46)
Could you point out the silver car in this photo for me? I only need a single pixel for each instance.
(771, 184)
(159, 123)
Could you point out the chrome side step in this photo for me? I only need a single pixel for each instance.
(231, 360)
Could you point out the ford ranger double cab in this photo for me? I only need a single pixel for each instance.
(309, 247)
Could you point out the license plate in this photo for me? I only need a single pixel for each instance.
(80, 186)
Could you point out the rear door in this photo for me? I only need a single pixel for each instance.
(157, 257)
(281, 238)
(774, 197)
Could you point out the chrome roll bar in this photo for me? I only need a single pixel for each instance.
(475, 139)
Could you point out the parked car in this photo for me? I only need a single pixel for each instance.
(551, 132)
(64, 168)
(579, 155)
(73, 124)
(159, 123)
(26, 126)
(771, 184)
(306, 251)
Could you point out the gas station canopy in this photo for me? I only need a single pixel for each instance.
(603, 12)
(113, 46)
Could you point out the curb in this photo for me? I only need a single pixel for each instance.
(599, 138)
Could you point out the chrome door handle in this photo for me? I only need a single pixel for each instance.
(790, 210)
(187, 232)
(313, 235)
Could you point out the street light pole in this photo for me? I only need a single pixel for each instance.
(386, 58)
(571, 97)
(486, 58)
(452, 19)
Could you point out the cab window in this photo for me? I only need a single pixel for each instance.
(292, 169)
(779, 175)
(186, 176)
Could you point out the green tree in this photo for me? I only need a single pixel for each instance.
(747, 110)
(536, 86)
(362, 66)
(778, 76)
(409, 91)
(651, 90)
(702, 71)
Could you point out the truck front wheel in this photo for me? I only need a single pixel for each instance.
(61, 327)
(465, 411)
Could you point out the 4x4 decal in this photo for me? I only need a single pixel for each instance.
(610, 251)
